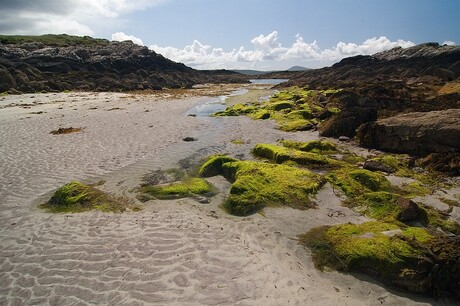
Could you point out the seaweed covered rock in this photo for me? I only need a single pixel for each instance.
(213, 166)
(187, 187)
(408, 258)
(315, 146)
(257, 185)
(79, 197)
(280, 155)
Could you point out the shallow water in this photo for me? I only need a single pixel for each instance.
(214, 104)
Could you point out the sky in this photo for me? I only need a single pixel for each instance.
(244, 34)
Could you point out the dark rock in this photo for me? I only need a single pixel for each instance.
(414, 133)
(188, 139)
(409, 210)
(442, 162)
(99, 64)
(374, 165)
(346, 122)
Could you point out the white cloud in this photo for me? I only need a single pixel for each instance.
(64, 16)
(268, 49)
(120, 36)
(449, 43)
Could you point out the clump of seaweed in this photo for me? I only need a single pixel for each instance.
(296, 109)
(188, 187)
(78, 197)
(257, 185)
(406, 257)
(280, 155)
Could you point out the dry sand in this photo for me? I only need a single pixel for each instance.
(176, 252)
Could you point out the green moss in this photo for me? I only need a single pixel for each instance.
(334, 110)
(315, 146)
(280, 155)
(260, 114)
(297, 125)
(237, 110)
(450, 202)
(415, 189)
(278, 106)
(355, 182)
(237, 141)
(300, 114)
(213, 166)
(257, 185)
(79, 197)
(54, 40)
(381, 205)
(365, 247)
(185, 188)
(436, 218)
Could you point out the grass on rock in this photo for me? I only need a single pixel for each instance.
(78, 197)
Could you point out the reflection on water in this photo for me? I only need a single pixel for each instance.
(215, 104)
(268, 81)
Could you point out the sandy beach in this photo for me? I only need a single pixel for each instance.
(172, 252)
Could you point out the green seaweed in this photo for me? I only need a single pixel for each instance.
(185, 188)
(355, 182)
(78, 197)
(365, 246)
(315, 146)
(257, 185)
(280, 155)
(213, 166)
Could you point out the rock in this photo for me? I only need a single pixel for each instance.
(346, 122)
(409, 210)
(344, 138)
(188, 139)
(62, 61)
(417, 133)
(442, 162)
(374, 165)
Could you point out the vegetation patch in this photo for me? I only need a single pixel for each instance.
(213, 166)
(295, 109)
(409, 258)
(185, 188)
(280, 155)
(78, 197)
(355, 182)
(315, 146)
(238, 141)
(257, 185)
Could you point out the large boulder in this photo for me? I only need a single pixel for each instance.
(414, 133)
(346, 122)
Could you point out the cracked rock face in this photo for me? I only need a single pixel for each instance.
(93, 64)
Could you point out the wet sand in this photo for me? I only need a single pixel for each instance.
(177, 252)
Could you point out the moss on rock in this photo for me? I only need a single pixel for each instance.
(213, 166)
(185, 188)
(257, 185)
(355, 182)
(280, 155)
(409, 258)
(315, 146)
(78, 197)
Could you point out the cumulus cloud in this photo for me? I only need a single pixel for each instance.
(120, 36)
(267, 48)
(449, 43)
(63, 16)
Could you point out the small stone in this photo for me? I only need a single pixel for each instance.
(409, 210)
(344, 138)
(373, 165)
(188, 139)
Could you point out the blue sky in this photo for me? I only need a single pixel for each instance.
(254, 34)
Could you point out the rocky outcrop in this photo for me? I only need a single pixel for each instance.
(62, 62)
(418, 133)
(414, 64)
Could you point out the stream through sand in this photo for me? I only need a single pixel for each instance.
(176, 252)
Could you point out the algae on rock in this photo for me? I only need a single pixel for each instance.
(79, 197)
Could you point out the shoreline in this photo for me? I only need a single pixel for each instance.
(174, 251)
